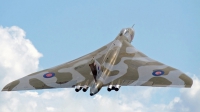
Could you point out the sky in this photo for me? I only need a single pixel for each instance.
(36, 35)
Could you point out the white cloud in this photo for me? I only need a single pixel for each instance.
(51, 109)
(33, 94)
(19, 57)
(195, 89)
(187, 101)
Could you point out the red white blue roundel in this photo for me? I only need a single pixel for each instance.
(49, 75)
(158, 72)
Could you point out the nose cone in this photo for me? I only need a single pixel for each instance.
(128, 33)
(132, 32)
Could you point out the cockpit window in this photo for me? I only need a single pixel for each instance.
(124, 31)
(127, 34)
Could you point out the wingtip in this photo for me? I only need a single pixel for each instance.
(188, 81)
(5, 89)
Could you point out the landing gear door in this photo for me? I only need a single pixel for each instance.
(95, 68)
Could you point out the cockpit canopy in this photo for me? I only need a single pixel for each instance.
(128, 33)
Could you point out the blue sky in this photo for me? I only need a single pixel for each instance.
(167, 31)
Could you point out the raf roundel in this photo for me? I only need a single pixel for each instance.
(49, 75)
(158, 72)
